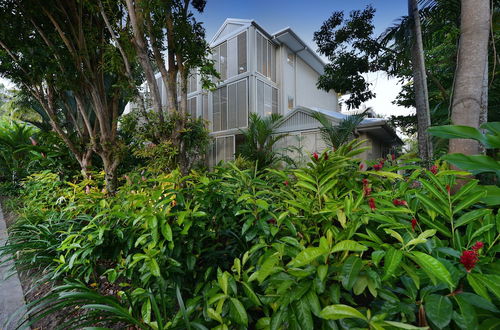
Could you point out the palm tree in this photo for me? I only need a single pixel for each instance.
(337, 135)
(260, 140)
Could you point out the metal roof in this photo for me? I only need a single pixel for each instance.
(374, 126)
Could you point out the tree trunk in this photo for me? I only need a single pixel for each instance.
(110, 162)
(471, 65)
(483, 116)
(142, 55)
(420, 84)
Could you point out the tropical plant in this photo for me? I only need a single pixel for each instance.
(330, 245)
(475, 164)
(341, 133)
(260, 140)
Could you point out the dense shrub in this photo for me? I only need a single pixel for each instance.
(331, 245)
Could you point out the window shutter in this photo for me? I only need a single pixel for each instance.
(242, 52)
(216, 111)
(223, 61)
(223, 108)
(242, 107)
(232, 106)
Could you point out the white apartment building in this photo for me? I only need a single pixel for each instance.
(270, 73)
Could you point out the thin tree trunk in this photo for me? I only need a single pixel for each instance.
(143, 57)
(483, 116)
(471, 65)
(420, 84)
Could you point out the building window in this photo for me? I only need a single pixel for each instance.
(204, 109)
(219, 55)
(267, 99)
(192, 82)
(224, 148)
(242, 52)
(290, 102)
(191, 107)
(266, 57)
(230, 106)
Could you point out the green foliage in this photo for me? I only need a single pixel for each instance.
(475, 163)
(337, 135)
(325, 246)
(260, 140)
(352, 50)
(152, 144)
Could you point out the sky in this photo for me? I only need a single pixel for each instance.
(306, 17)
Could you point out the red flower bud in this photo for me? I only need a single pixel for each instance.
(371, 202)
(413, 224)
(434, 169)
(448, 188)
(377, 167)
(315, 155)
(478, 246)
(285, 183)
(399, 202)
(469, 259)
(361, 166)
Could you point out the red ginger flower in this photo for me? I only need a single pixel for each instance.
(315, 155)
(478, 246)
(361, 166)
(393, 157)
(285, 182)
(399, 202)
(413, 224)
(434, 169)
(377, 167)
(469, 259)
(371, 202)
(366, 189)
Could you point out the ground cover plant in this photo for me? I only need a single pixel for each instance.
(335, 244)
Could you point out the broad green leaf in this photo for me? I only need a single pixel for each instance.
(307, 256)
(337, 312)
(479, 301)
(394, 234)
(313, 301)
(389, 175)
(477, 286)
(223, 280)
(475, 163)
(482, 230)
(267, 268)
(492, 282)
(166, 231)
(422, 238)
(238, 312)
(214, 315)
(432, 267)
(471, 216)
(348, 245)
(350, 271)
(464, 204)
(456, 132)
(360, 285)
(303, 314)
(400, 325)
(377, 256)
(432, 204)
(251, 294)
(467, 314)
(392, 259)
(438, 309)
(278, 318)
